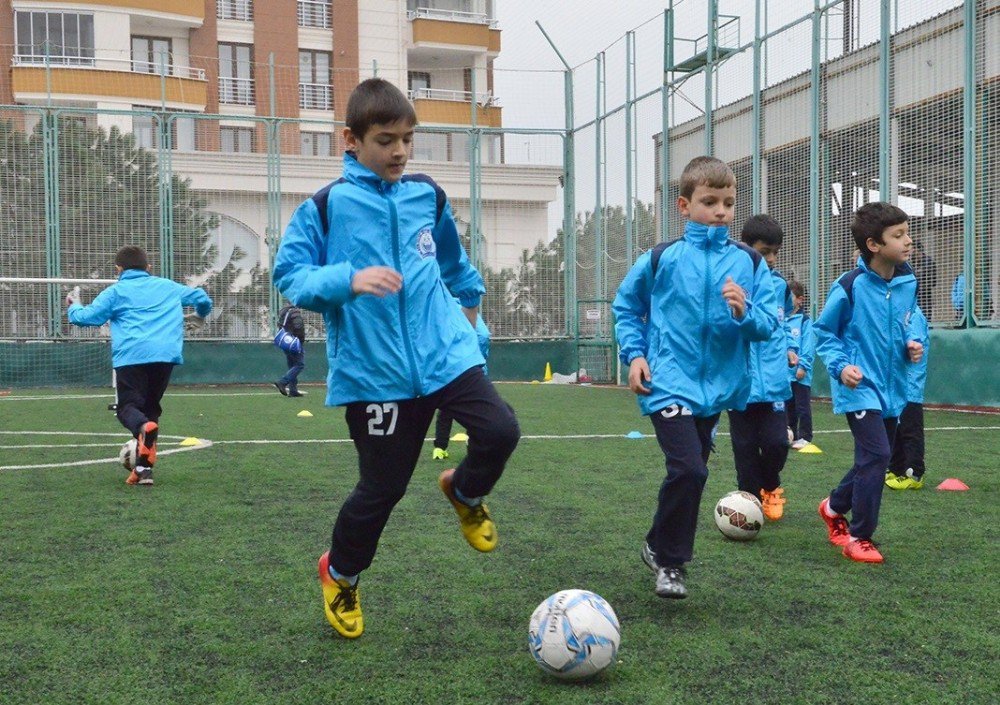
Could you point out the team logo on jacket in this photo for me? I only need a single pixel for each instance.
(425, 243)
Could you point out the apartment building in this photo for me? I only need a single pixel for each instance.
(217, 68)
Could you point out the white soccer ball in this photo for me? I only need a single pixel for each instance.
(574, 634)
(128, 454)
(791, 437)
(739, 516)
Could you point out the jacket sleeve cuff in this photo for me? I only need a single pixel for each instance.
(471, 301)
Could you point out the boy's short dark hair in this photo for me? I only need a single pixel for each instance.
(796, 288)
(705, 171)
(375, 101)
(762, 228)
(870, 221)
(132, 257)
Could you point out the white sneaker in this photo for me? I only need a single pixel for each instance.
(800, 444)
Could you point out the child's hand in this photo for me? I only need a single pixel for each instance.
(638, 372)
(793, 359)
(915, 350)
(851, 376)
(377, 281)
(800, 373)
(73, 297)
(193, 322)
(735, 298)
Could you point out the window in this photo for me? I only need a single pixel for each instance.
(235, 10)
(314, 80)
(315, 144)
(236, 74)
(314, 13)
(67, 38)
(236, 139)
(419, 83)
(151, 55)
(144, 131)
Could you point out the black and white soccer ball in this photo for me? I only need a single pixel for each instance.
(129, 453)
(574, 634)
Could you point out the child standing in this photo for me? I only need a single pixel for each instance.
(378, 254)
(442, 429)
(866, 338)
(906, 466)
(685, 315)
(290, 318)
(147, 339)
(759, 429)
(799, 406)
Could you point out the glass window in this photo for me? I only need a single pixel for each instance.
(314, 80)
(314, 13)
(236, 85)
(315, 144)
(151, 55)
(64, 37)
(234, 10)
(236, 139)
(143, 131)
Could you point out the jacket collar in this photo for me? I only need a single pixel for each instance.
(133, 274)
(706, 237)
(902, 273)
(360, 175)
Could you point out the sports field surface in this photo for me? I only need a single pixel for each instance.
(203, 588)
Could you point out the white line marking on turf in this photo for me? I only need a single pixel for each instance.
(202, 443)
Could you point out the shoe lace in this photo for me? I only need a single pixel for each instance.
(867, 545)
(477, 514)
(838, 526)
(674, 574)
(348, 597)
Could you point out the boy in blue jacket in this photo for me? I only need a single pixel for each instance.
(378, 254)
(799, 405)
(685, 316)
(759, 429)
(906, 465)
(442, 429)
(867, 340)
(147, 338)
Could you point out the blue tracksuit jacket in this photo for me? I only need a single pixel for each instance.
(676, 318)
(769, 358)
(916, 380)
(404, 345)
(800, 327)
(867, 322)
(483, 337)
(146, 314)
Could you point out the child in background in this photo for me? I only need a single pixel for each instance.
(799, 407)
(442, 430)
(906, 466)
(868, 343)
(147, 339)
(685, 315)
(377, 253)
(290, 318)
(759, 430)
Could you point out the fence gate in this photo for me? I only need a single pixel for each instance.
(596, 349)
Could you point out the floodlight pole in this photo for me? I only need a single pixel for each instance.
(569, 191)
(885, 190)
(755, 199)
(713, 22)
(815, 182)
(969, 162)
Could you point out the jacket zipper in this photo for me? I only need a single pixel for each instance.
(891, 329)
(704, 324)
(397, 259)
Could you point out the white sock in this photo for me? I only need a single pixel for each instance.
(351, 579)
(829, 512)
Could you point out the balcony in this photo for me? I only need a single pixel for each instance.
(236, 91)
(430, 13)
(100, 79)
(448, 107)
(190, 13)
(240, 10)
(314, 13)
(315, 96)
(435, 32)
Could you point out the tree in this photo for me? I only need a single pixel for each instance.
(108, 195)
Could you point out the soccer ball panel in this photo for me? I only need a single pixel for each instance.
(574, 634)
(739, 516)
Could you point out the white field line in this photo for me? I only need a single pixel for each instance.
(204, 443)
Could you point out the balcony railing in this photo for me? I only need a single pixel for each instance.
(111, 65)
(236, 91)
(486, 100)
(235, 10)
(429, 13)
(314, 13)
(315, 96)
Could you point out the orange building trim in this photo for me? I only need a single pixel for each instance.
(460, 33)
(187, 8)
(142, 87)
(448, 112)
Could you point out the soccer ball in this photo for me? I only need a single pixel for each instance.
(739, 516)
(574, 634)
(128, 454)
(791, 436)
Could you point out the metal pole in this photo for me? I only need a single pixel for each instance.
(475, 246)
(598, 195)
(713, 21)
(815, 181)
(629, 110)
(969, 161)
(668, 67)
(163, 80)
(885, 89)
(755, 120)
